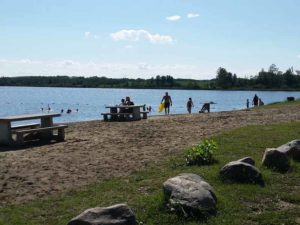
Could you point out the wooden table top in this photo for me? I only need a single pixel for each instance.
(29, 116)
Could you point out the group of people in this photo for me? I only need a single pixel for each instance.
(48, 108)
(256, 101)
(167, 101)
(206, 106)
(68, 111)
(125, 102)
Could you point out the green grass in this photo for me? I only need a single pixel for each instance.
(276, 203)
(280, 104)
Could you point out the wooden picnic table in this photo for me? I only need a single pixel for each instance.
(123, 110)
(45, 126)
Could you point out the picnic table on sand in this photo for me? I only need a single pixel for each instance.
(43, 130)
(125, 113)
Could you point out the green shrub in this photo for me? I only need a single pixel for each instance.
(201, 153)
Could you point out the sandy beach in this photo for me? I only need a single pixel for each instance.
(97, 150)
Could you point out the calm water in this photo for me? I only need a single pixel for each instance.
(90, 102)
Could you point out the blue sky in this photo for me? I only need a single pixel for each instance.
(143, 38)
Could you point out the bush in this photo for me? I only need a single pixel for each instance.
(201, 153)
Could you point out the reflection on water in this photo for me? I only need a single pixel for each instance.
(90, 102)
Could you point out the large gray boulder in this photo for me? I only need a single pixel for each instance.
(276, 160)
(114, 215)
(189, 194)
(292, 149)
(241, 171)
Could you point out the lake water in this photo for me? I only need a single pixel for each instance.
(90, 102)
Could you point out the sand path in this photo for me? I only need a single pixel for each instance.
(97, 150)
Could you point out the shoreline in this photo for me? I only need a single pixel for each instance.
(162, 88)
(96, 150)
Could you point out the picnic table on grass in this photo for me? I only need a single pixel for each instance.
(44, 130)
(125, 113)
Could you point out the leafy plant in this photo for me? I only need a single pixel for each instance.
(201, 153)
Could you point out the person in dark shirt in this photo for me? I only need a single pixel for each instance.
(167, 103)
(129, 102)
(255, 100)
(189, 105)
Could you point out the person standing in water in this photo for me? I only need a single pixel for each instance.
(255, 100)
(189, 105)
(167, 103)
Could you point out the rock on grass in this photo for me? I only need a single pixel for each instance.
(190, 195)
(119, 214)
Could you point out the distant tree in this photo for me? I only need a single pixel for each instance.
(170, 81)
(234, 80)
(223, 79)
(158, 81)
(290, 79)
(273, 69)
(163, 80)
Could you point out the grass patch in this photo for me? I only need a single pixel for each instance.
(276, 203)
(280, 104)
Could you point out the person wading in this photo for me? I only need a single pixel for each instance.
(167, 103)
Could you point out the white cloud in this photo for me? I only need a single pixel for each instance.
(67, 63)
(298, 56)
(89, 35)
(128, 46)
(192, 15)
(3, 61)
(19, 61)
(144, 66)
(137, 35)
(173, 18)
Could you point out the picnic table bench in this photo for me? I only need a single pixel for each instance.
(43, 130)
(125, 113)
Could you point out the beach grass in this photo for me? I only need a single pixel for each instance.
(279, 104)
(276, 203)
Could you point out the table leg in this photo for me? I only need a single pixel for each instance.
(136, 113)
(46, 122)
(114, 110)
(5, 132)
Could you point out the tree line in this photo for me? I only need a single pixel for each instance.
(265, 80)
(101, 82)
(272, 79)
